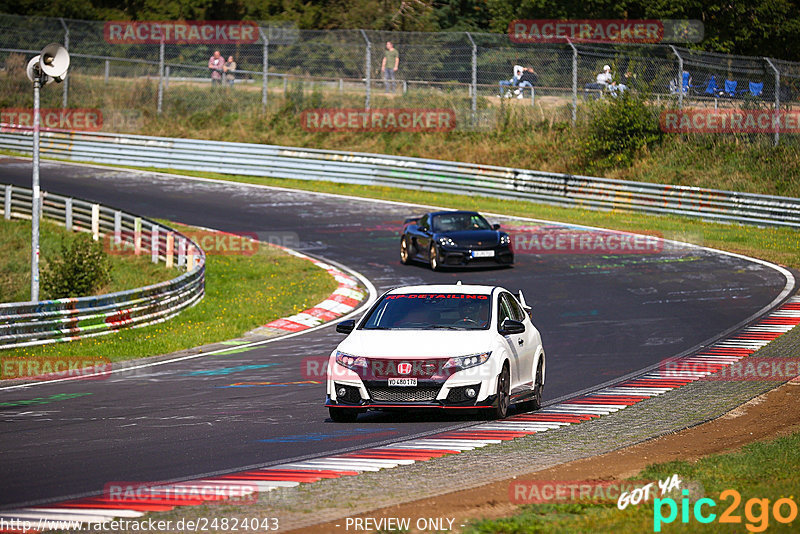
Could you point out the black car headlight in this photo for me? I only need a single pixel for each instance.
(465, 362)
(505, 239)
(447, 242)
(351, 362)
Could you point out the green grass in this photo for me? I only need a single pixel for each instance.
(766, 470)
(242, 293)
(127, 272)
(531, 137)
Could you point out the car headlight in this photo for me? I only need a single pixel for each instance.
(505, 239)
(465, 362)
(447, 242)
(351, 362)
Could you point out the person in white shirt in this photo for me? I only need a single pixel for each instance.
(518, 70)
(606, 79)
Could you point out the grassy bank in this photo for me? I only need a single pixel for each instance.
(242, 293)
(715, 162)
(127, 272)
(512, 133)
(761, 471)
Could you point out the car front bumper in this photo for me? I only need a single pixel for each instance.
(464, 257)
(428, 394)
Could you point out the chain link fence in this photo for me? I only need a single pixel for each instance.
(342, 69)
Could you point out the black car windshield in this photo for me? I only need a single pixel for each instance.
(455, 222)
(431, 311)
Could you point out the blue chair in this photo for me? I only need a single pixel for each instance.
(687, 82)
(711, 88)
(730, 88)
(756, 88)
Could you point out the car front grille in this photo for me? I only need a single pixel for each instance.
(403, 394)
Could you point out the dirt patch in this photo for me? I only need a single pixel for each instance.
(767, 416)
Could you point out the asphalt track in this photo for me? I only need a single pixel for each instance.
(600, 316)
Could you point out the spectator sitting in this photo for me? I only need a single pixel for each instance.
(630, 80)
(512, 82)
(606, 80)
(528, 79)
(229, 68)
(216, 64)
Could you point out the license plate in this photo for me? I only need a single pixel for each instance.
(483, 253)
(403, 382)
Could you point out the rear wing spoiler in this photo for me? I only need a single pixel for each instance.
(524, 304)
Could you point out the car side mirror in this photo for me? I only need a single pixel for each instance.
(510, 326)
(345, 327)
(496, 226)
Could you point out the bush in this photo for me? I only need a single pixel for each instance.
(81, 268)
(619, 128)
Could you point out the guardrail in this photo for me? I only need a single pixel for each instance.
(410, 173)
(51, 321)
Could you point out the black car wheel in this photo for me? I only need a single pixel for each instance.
(434, 258)
(500, 410)
(535, 402)
(343, 415)
(405, 251)
(538, 386)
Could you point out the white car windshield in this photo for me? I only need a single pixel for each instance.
(431, 311)
(456, 222)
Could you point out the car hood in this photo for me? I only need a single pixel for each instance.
(411, 344)
(473, 237)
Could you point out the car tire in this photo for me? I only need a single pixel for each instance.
(500, 409)
(343, 415)
(535, 402)
(405, 251)
(433, 255)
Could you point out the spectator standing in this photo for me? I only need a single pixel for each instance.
(216, 64)
(230, 69)
(389, 65)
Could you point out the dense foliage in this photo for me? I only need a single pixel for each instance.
(618, 129)
(757, 27)
(81, 268)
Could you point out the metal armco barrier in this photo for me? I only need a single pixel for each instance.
(51, 321)
(410, 173)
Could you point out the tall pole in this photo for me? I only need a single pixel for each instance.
(574, 82)
(66, 79)
(680, 76)
(474, 78)
(368, 68)
(775, 121)
(160, 75)
(36, 194)
(264, 68)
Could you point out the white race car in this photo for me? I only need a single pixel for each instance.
(438, 346)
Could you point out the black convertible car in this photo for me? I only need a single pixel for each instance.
(454, 239)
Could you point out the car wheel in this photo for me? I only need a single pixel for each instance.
(500, 410)
(538, 387)
(405, 251)
(434, 258)
(535, 402)
(343, 415)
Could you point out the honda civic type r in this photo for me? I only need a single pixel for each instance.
(438, 346)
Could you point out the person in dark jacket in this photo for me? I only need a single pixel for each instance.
(528, 79)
